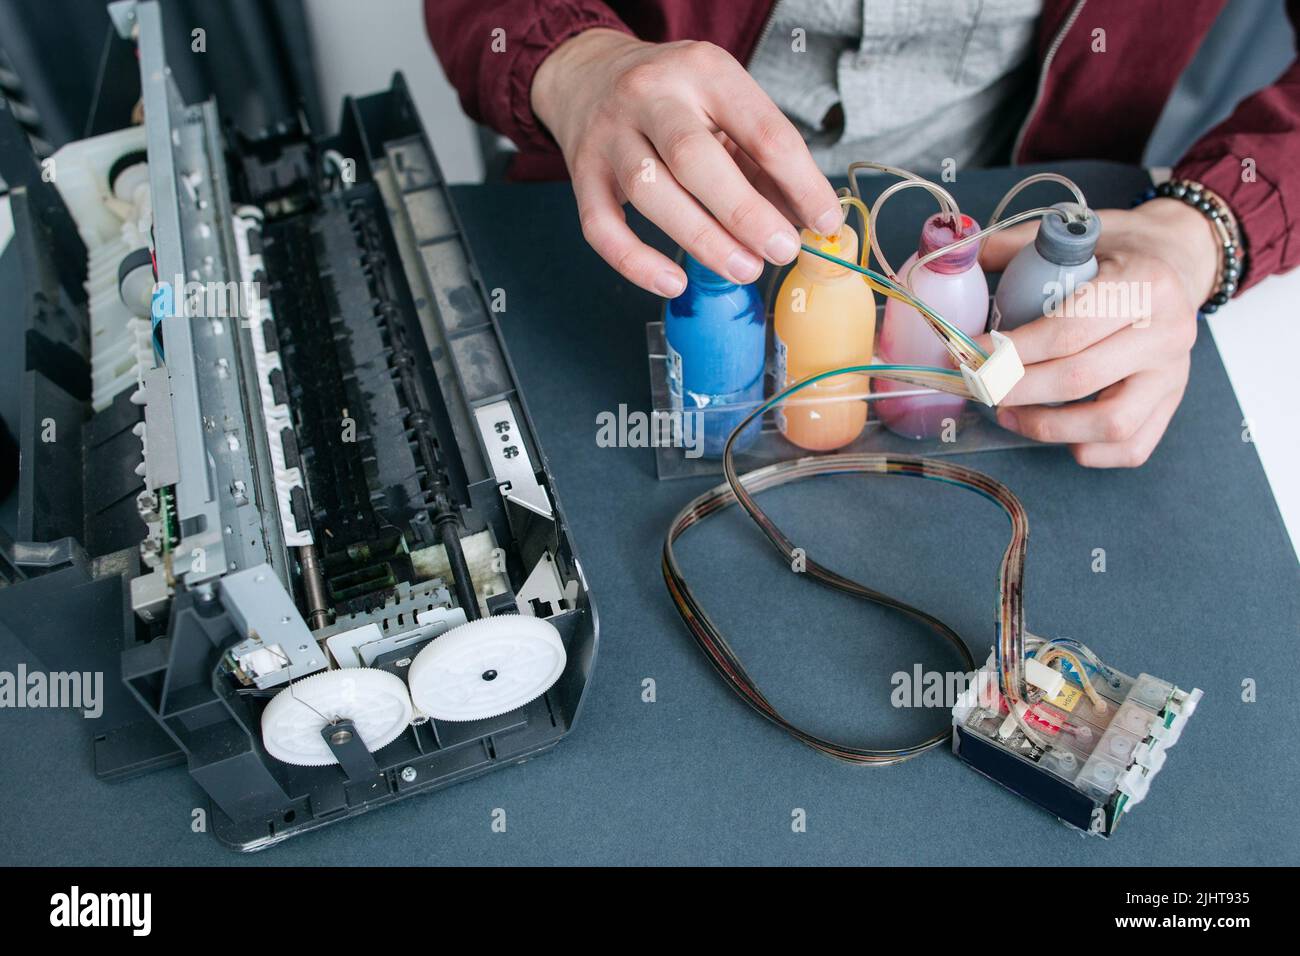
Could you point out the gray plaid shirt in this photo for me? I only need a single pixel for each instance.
(918, 81)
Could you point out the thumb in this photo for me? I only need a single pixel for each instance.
(1001, 247)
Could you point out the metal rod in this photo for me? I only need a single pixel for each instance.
(313, 583)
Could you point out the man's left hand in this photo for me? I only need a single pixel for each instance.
(1125, 337)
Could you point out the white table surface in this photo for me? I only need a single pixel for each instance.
(1258, 336)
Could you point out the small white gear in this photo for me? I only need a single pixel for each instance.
(377, 703)
(487, 667)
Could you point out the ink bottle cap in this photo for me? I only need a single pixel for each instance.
(842, 245)
(938, 232)
(702, 277)
(1069, 243)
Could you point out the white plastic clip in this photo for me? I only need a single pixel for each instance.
(1047, 679)
(999, 373)
(1183, 710)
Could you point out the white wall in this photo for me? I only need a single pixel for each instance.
(359, 46)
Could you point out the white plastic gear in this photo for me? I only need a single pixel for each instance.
(377, 703)
(487, 667)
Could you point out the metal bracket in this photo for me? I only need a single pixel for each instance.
(272, 627)
(346, 744)
(508, 456)
(122, 13)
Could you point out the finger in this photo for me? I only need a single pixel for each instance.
(704, 168)
(1070, 325)
(1077, 376)
(740, 107)
(651, 187)
(1116, 416)
(1001, 247)
(606, 230)
(1136, 450)
(762, 182)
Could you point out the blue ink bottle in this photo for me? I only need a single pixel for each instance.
(716, 332)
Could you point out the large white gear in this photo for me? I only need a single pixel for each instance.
(377, 703)
(487, 667)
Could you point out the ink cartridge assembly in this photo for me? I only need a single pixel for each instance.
(1086, 744)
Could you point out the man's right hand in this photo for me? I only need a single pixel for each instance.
(683, 132)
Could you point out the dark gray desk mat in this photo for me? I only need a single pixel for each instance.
(1201, 588)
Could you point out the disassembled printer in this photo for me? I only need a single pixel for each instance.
(296, 500)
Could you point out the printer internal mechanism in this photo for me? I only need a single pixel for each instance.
(313, 526)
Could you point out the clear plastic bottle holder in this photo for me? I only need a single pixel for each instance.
(684, 432)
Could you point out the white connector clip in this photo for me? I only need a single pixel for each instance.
(1047, 679)
(999, 373)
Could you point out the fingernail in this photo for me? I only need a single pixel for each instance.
(670, 284)
(1007, 419)
(781, 247)
(743, 266)
(829, 222)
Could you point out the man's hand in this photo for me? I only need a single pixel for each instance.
(1125, 336)
(685, 134)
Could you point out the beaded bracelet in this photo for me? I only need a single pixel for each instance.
(1225, 227)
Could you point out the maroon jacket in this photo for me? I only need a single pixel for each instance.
(1088, 105)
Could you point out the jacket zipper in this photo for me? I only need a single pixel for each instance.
(1042, 75)
(763, 33)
